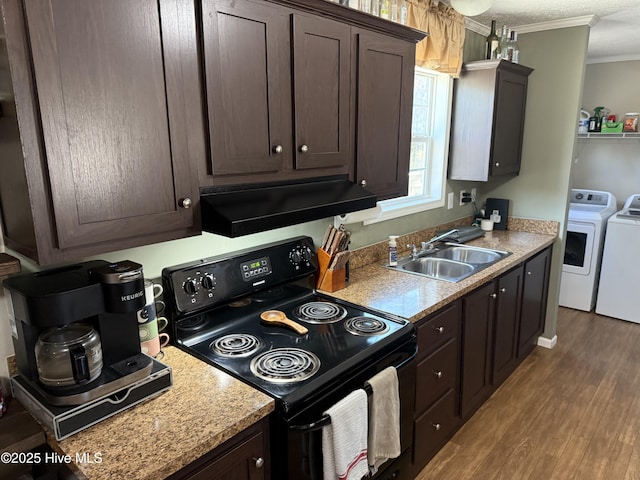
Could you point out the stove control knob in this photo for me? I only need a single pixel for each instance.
(190, 286)
(296, 256)
(208, 281)
(306, 254)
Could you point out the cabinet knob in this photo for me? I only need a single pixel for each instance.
(304, 148)
(439, 329)
(259, 462)
(363, 183)
(438, 374)
(185, 202)
(277, 149)
(436, 426)
(528, 273)
(493, 295)
(503, 290)
(497, 164)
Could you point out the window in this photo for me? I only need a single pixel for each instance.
(432, 98)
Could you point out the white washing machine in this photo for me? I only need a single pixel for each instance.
(618, 292)
(589, 211)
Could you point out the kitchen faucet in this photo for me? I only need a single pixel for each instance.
(428, 246)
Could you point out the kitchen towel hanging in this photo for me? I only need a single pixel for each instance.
(384, 418)
(344, 440)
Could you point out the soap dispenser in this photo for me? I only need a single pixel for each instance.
(393, 251)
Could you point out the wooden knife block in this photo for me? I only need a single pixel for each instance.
(329, 280)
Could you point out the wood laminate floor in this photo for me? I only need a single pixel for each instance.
(572, 412)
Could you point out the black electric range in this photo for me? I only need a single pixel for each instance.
(215, 307)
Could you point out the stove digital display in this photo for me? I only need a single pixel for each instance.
(255, 269)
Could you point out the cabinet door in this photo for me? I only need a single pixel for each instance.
(511, 96)
(322, 77)
(244, 462)
(505, 348)
(384, 105)
(246, 64)
(114, 114)
(477, 322)
(534, 300)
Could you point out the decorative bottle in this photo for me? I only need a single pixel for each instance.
(384, 9)
(502, 43)
(393, 10)
(403, 12)
(513, 50)
(492, 43)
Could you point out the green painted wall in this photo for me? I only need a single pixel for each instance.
(554, 94)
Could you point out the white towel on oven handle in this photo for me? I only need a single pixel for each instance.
(344, 440)
(384, 418)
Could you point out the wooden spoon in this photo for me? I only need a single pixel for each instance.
(276, 317)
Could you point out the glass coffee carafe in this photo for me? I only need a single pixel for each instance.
(69, 355)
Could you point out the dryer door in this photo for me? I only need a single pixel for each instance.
(578, 251)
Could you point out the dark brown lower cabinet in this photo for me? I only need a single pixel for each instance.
(467, 349)
(508, 297)
(534, 301)
(436, 415)
(477, 333)
(244, 457)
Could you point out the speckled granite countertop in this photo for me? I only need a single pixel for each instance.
(156, 438)
(413, 297)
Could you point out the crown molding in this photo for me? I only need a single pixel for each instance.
(615, 58)
(589, 20)
(477, 27)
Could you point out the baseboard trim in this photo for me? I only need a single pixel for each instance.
(548, 342)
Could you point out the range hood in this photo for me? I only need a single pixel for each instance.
(244, 209)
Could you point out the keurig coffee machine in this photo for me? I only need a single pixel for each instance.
(77, 346)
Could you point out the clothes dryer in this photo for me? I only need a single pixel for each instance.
(618, 290)
(589, 211)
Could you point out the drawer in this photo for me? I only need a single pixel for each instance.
(439, 329)
(434, 428)
(436, 374)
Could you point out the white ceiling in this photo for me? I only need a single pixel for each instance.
(615, 31)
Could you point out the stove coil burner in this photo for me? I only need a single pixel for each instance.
(192, 324)
(320, 312)
(285, 365)
(235, 345)
(366, 326)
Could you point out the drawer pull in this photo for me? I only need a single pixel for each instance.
(438, 374)
(439, 329)
(259, 462)
(493, 295)
(436, 426)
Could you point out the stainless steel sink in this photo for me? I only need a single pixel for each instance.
(439, 268)
(450, 262)
(470, 255)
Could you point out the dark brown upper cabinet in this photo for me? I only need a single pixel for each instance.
(278, 92)
(488, 120)
(102, 148)
(385, 68)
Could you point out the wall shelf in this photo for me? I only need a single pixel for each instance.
(635, 135)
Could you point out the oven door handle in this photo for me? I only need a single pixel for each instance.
(326, 419)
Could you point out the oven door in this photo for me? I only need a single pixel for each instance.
(303, 431)
(578, 251)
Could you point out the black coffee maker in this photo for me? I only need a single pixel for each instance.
(75, 331)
